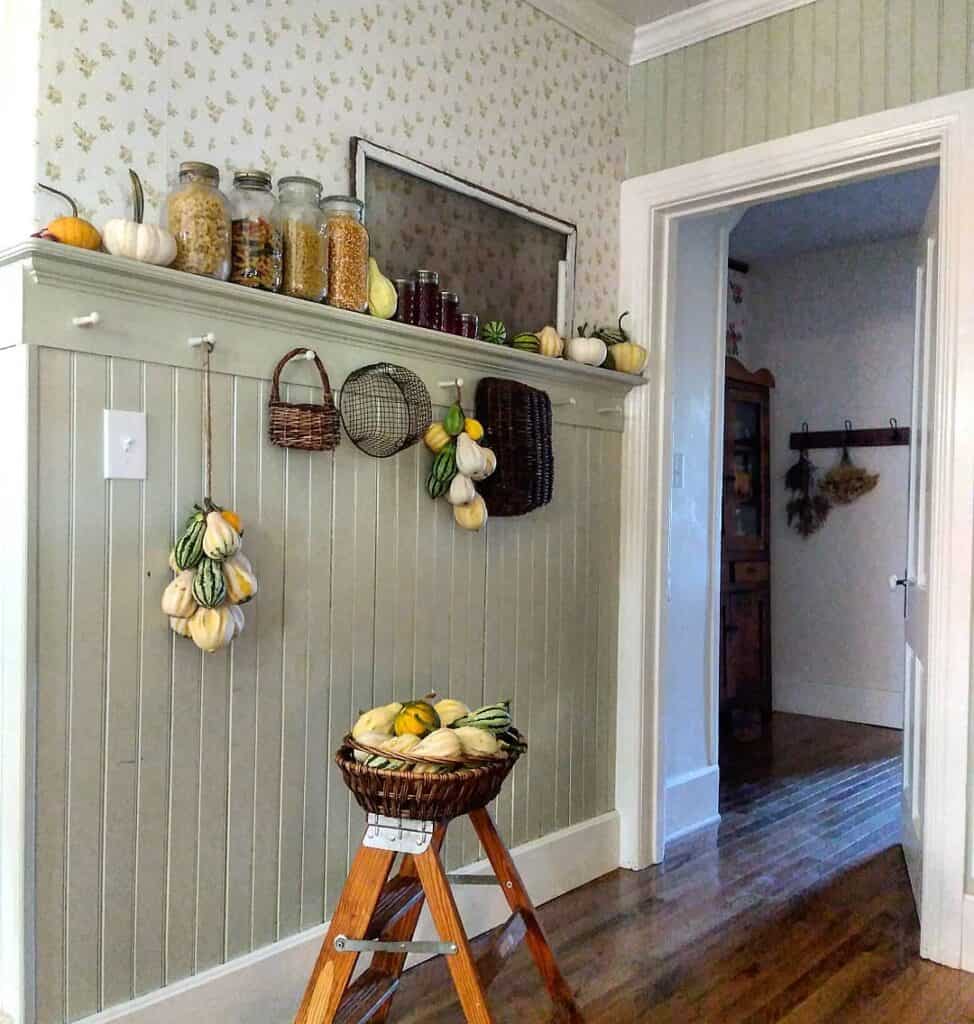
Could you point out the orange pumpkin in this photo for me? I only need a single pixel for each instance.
(73, 230)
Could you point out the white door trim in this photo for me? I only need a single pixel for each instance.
(936, 130)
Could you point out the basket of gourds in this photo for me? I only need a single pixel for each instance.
(427, 761)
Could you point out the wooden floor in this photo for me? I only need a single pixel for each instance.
(796, 908)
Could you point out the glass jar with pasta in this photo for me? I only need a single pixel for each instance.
(348, 253)
(198, 217)
(256, 256)
(305, 271)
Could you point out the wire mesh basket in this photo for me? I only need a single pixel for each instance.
(385, 409)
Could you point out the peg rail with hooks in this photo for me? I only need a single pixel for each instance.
(879, 437)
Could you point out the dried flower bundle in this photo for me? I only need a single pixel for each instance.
(846, 482)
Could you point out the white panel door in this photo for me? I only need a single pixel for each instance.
(915, 580)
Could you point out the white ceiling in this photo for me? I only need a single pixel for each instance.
(876, 210)
(640, 12)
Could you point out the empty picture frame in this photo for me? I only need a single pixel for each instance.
(505, 260)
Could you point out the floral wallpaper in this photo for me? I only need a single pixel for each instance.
(737, 289)
(491, 90)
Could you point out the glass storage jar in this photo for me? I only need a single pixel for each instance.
(428, 299)
(198, 217)
(406, 309)
(468, 325)
(305, 259)
(256, 259)
(449, 312)
(348, 253)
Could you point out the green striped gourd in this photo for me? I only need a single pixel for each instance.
(209, 587)
(443, 471)
(494, 717)
(189, 548)
(494, 332)
(526, 342)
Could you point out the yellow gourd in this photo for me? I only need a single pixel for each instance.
(180, 626)
(471, 516)
(212, 628)
(627, 357)
(550, 342)
(450, 710)
(380, 719)
(221, 540)
(417, 717)
(474, 429)
(370, 739)
(177, 598)
(439, 743)
(240, 579)
(233, 519)
(477, 742)
(436, 438)
(72, 230)
(383, 298)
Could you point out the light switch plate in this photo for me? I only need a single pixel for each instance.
(124, 434)
(678, 465)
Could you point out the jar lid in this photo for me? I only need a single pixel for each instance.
(200, 168)
(252, 179)
(406, 282)
(427, 277)
(297, 179)
(449, 297)
(468, 316)
(344, 204)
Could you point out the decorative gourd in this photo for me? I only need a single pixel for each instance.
(471, 516)
(172, 560)
(220, 540)
(236, 613)
(177, 598)
(494, 332)
(240, 579)
(590, 351)
(381, 719)
(454, 420)
(147, 243)
(490, 464)
(443, 471)
(495, 717)
(383, 297)
(180, 626)
(477, 742)
(627, 357)
(462, 490)
(212, 628)
(397, 745)
(439, 743)
(209, 586)
(550, 343)
(474, 429)
(188, 552)
(450, 710)
(417, 717)
(233, 519)
(470, 457)
(526, 342)
(72, 230)
(436, 438)
(370, 739)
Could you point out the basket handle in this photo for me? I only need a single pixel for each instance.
(276, 382)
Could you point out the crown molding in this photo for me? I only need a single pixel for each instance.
(712, 18)
(600, 26)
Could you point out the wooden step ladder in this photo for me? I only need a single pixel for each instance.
(378, 914)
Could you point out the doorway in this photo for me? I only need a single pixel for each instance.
(656, 208)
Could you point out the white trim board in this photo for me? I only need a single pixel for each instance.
(711, 18)
(692, 800)
(938, 131)
(870, 705)
(266, 985)
(599, 25)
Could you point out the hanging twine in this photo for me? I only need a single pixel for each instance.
(207, 430)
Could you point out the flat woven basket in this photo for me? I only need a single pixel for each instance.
(313, 428)
(517, 426)
(423, 796)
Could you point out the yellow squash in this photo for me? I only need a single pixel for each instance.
(73, 230)
(212, 628)
(450, 710)
(240, 579)
(436, 438)
(418, 718)
(380, 719)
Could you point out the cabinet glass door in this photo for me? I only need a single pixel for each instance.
(745, 481)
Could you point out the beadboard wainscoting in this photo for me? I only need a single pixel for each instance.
(188, 811)
(827, 61)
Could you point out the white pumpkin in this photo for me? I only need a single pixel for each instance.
(461, 490)
(490, 464)
(147, 243)
(590, 351)
(470, 456)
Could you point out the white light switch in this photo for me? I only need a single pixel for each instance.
(677, 470)
(124, 445)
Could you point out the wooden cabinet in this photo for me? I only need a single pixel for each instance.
(745, 606)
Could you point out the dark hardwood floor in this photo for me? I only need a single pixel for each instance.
(796, 908)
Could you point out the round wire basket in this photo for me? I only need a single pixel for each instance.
(385, 408)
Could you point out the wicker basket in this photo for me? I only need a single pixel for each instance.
(517, 424)
(423, 796)
(313, 428)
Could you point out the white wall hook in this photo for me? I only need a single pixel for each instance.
(91, 320)
(457, 382)
(610, 408)
(309, 355)
(566, 401)
(208, 339)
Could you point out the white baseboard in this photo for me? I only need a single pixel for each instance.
(867, 705)
(265, 987)
(692, 801)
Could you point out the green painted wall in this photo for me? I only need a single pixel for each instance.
(828, 61)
